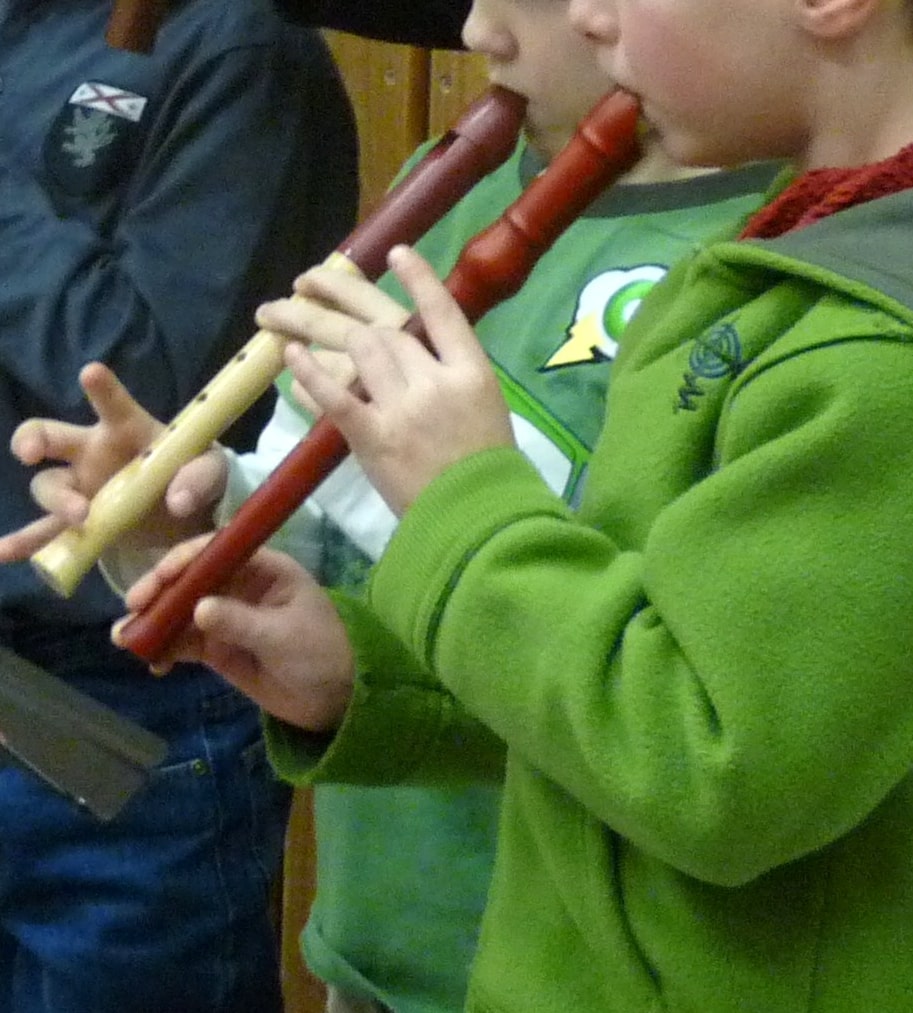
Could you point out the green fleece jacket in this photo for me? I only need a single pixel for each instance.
(704, 678)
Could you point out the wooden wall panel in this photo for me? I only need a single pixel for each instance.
(401, 96)
(388, 86)
(456, 79)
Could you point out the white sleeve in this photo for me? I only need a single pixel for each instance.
(346, 497)
(357, 509)
(301, 536)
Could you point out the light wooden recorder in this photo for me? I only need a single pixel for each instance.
(491, 268)
(481, 139)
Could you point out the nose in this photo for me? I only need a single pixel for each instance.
(486, 34)
(595, 20)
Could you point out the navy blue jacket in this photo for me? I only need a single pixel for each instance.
(147, 204)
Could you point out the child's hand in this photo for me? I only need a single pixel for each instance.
(424, 413)
(351, 295)
(272, 632)
(329, 302)
(196, 489)
(90, 455)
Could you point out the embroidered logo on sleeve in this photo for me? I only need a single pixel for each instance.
(85, 147)
(604, 307)
(716, 354)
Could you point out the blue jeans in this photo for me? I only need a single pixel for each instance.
(166, 909)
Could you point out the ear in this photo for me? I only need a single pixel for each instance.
(835, 19)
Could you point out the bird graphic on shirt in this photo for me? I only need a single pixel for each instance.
(604, 307)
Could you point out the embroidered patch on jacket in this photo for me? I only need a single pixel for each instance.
(86, 146)
(716, 353)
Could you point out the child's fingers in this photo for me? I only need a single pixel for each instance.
(19, 545)
(151, 584)
(228, 633)
(198, 485)
(53, 489)
(234, 623)
(338, 364)
(254, 634)
(37, 440)
(186, 646)
(324, 390)
(233, 663)
(305, 320)
(389, 363)
(141, 594)
(351, 294)
(325, 307)
(450, 334)
(110, 399)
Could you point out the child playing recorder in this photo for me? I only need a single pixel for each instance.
(702, 676)
(403, 870)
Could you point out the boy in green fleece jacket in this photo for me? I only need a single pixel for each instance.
(702, 677)
(403, 872)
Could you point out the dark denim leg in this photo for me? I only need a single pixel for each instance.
(165, 909)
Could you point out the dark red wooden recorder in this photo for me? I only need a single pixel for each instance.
(492, 266)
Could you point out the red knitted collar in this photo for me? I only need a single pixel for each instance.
(822, 192)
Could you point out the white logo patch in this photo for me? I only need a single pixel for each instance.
(108, 99)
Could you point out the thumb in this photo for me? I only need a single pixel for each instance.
(198, 485)
(232, 622)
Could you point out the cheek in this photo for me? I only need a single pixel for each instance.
(661, 57)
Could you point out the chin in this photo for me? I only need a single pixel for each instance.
(694, 152)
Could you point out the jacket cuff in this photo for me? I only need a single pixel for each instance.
(401, 727)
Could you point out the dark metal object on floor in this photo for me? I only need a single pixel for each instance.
(79, 747)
